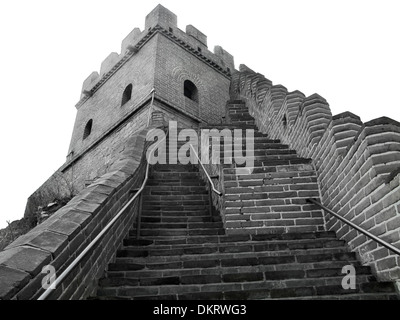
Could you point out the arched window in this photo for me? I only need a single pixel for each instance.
(88, 129)
(127, 95)
(190, 91)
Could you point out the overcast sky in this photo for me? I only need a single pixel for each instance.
(347, 51)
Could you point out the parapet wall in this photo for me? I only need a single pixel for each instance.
(358, 164)
(96, 160)
(61, 238)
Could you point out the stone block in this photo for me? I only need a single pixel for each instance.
(11, 281)
(65, 227)
(161, 16)
(42, 239)
(197, 34)
(77, 217)
(30, 260)
(130, 40)
(108, 63)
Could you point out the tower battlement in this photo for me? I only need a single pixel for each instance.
(159, 20)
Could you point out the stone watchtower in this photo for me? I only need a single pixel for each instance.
(149, 231)
(191, 86)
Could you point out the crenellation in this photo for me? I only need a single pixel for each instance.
(225, 58)
(342, 147)
(161, 16)
(109, 63)
(89, 83)
(128, 44)
(197, 34)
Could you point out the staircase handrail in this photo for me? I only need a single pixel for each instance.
(358, 228)
(219, 193)
(73, 264)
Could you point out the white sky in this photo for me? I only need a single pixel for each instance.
(347, 51)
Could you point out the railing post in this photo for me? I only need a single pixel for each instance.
(139, 219)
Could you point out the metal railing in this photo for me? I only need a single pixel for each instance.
(210, 182)
(152, 92)
(78, 259)
(354, 226)
(208, 176)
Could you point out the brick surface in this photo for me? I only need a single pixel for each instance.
(11, 281)
(301, 151)
(26, 259)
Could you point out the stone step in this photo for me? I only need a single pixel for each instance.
(221, 126)
(179, 190)
(239, 111)
(180, 219)
(260, 151)
(235, 269)
(246, 181)
(192, 225)
(278, 162)
(248, 122)
(177, 168)
(169, 250)
(251, 290)
(125, 262)
(178, 232)
(314, 276)
(174, 175)
(255, 190)
(179, 213)
(165, 202)
(207, 240)
(166, 182)
(258, 138)
(271, 172)
(180, 198)
(258, 158)
(167, 209)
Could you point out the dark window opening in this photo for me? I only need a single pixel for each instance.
(88, 129)
(229, 70)
(199, 49)
(190, 91)
(284, 121)
(127, 95)
(171, 30)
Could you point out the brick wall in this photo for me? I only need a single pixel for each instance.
(357, 163)
(161, 57)
(175, 65)
(64, 235)
(84, 168)
(104, 106)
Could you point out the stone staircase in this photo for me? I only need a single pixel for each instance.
(272, 198)
(272, 246)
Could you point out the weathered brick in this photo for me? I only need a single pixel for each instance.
(11, 280)
(385, 215)
(386, 263)
(26, 259)
(393, 223)
(65, 227)
(243, 277)
(42, 239)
